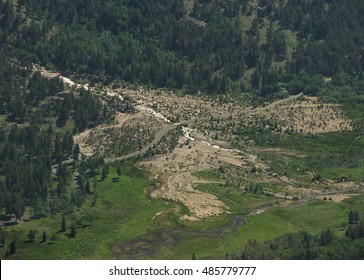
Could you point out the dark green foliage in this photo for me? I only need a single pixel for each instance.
(304, 246)
(3, 235)
(73, 231)
(12, 248)
(31, 235)
(26, 166)
(88, 111)
(356, 217)
(104, 172)
(88, 188)
(353, 217)
(326, 238)
(29, 152)
(63, 224)
(330, 33)
(40, 87)
(355, 231)
(152, 42)
(44, 236)
(76, 152)
(118, 169)
(63, 175)
(158, 43)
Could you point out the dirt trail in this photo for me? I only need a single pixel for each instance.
(143, 151)
(122, 118)
(169, 127)
(81, 138)
(279, 102)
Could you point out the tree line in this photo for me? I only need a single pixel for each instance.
(308, 246)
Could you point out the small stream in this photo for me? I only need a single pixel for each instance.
(147, 245)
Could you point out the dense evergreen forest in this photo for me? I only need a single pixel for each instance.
(265, 49)
(30, 144)
(210, 47)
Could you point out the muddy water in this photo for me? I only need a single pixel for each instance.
(147, 245)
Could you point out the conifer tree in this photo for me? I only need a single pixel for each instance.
(63, 224)
(73, 231)
(44, 236)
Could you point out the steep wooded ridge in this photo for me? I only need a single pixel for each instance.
(231, 108)
(203, 45)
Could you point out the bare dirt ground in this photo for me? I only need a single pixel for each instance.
(175, 174)
(307, 116)
(337, 197)
(179, 108)
(130, 133)
(82, 137)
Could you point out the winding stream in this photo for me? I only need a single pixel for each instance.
(147, 245)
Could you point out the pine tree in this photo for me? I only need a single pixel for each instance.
(356, 216)
(351, 217)
(76, 152)
(351, 232)
(361, 230)
(103, 174)
(31, 235)
(73, 231)
(118, 169)
(44, 236)
(12, 248)
(308, 255)
(88, 190)
(63, 224)
(2, 237)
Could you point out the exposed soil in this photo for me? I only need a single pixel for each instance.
(175, 174)
(337, 197)
(82, 137)
(129, 131)
(307, 116)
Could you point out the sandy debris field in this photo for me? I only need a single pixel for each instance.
(174, 172)
(307, 116)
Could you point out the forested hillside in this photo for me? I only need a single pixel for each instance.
(213, 46)
(33, 136)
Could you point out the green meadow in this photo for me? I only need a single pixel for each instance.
(269, 225)
(121, 212)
